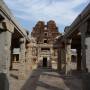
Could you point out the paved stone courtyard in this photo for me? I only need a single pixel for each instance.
(47, 79)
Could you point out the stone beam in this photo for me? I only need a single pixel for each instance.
(11, 19)
(83, 17)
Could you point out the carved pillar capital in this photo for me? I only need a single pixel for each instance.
(7, 25)
(22, 40)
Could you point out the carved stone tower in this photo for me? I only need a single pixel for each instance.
(45, 36)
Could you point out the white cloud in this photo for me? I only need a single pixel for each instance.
(62, 11)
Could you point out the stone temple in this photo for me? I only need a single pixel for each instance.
(44, 59)
(45, 37)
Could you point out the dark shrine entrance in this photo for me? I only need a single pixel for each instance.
(44, 62)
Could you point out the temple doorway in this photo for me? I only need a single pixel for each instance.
(44, 62)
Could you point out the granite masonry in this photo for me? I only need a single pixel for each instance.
(22, 52)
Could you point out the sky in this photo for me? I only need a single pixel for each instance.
(29, 12)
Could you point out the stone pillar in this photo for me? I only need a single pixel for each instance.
(8, 55)
(79, 59)
(87, 46)
(5, 53)
(5, 44)
(83, 30)
(51, 58)
(88, 53)
(62, 57)
(22, 66)
(68, 56)
(59, 59)
(38, 57)
(28, 58)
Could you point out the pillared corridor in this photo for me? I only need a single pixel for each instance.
(43, 57)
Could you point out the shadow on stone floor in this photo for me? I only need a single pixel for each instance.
(72, 83)
(48, 87)
(81, 80)
(86, 81)
(33, 81)
(74, 80)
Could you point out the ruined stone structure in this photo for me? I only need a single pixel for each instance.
(13, 41)
(76, 36)
(45, 37)
(45, 47)
(19, 53)
(31, 54)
